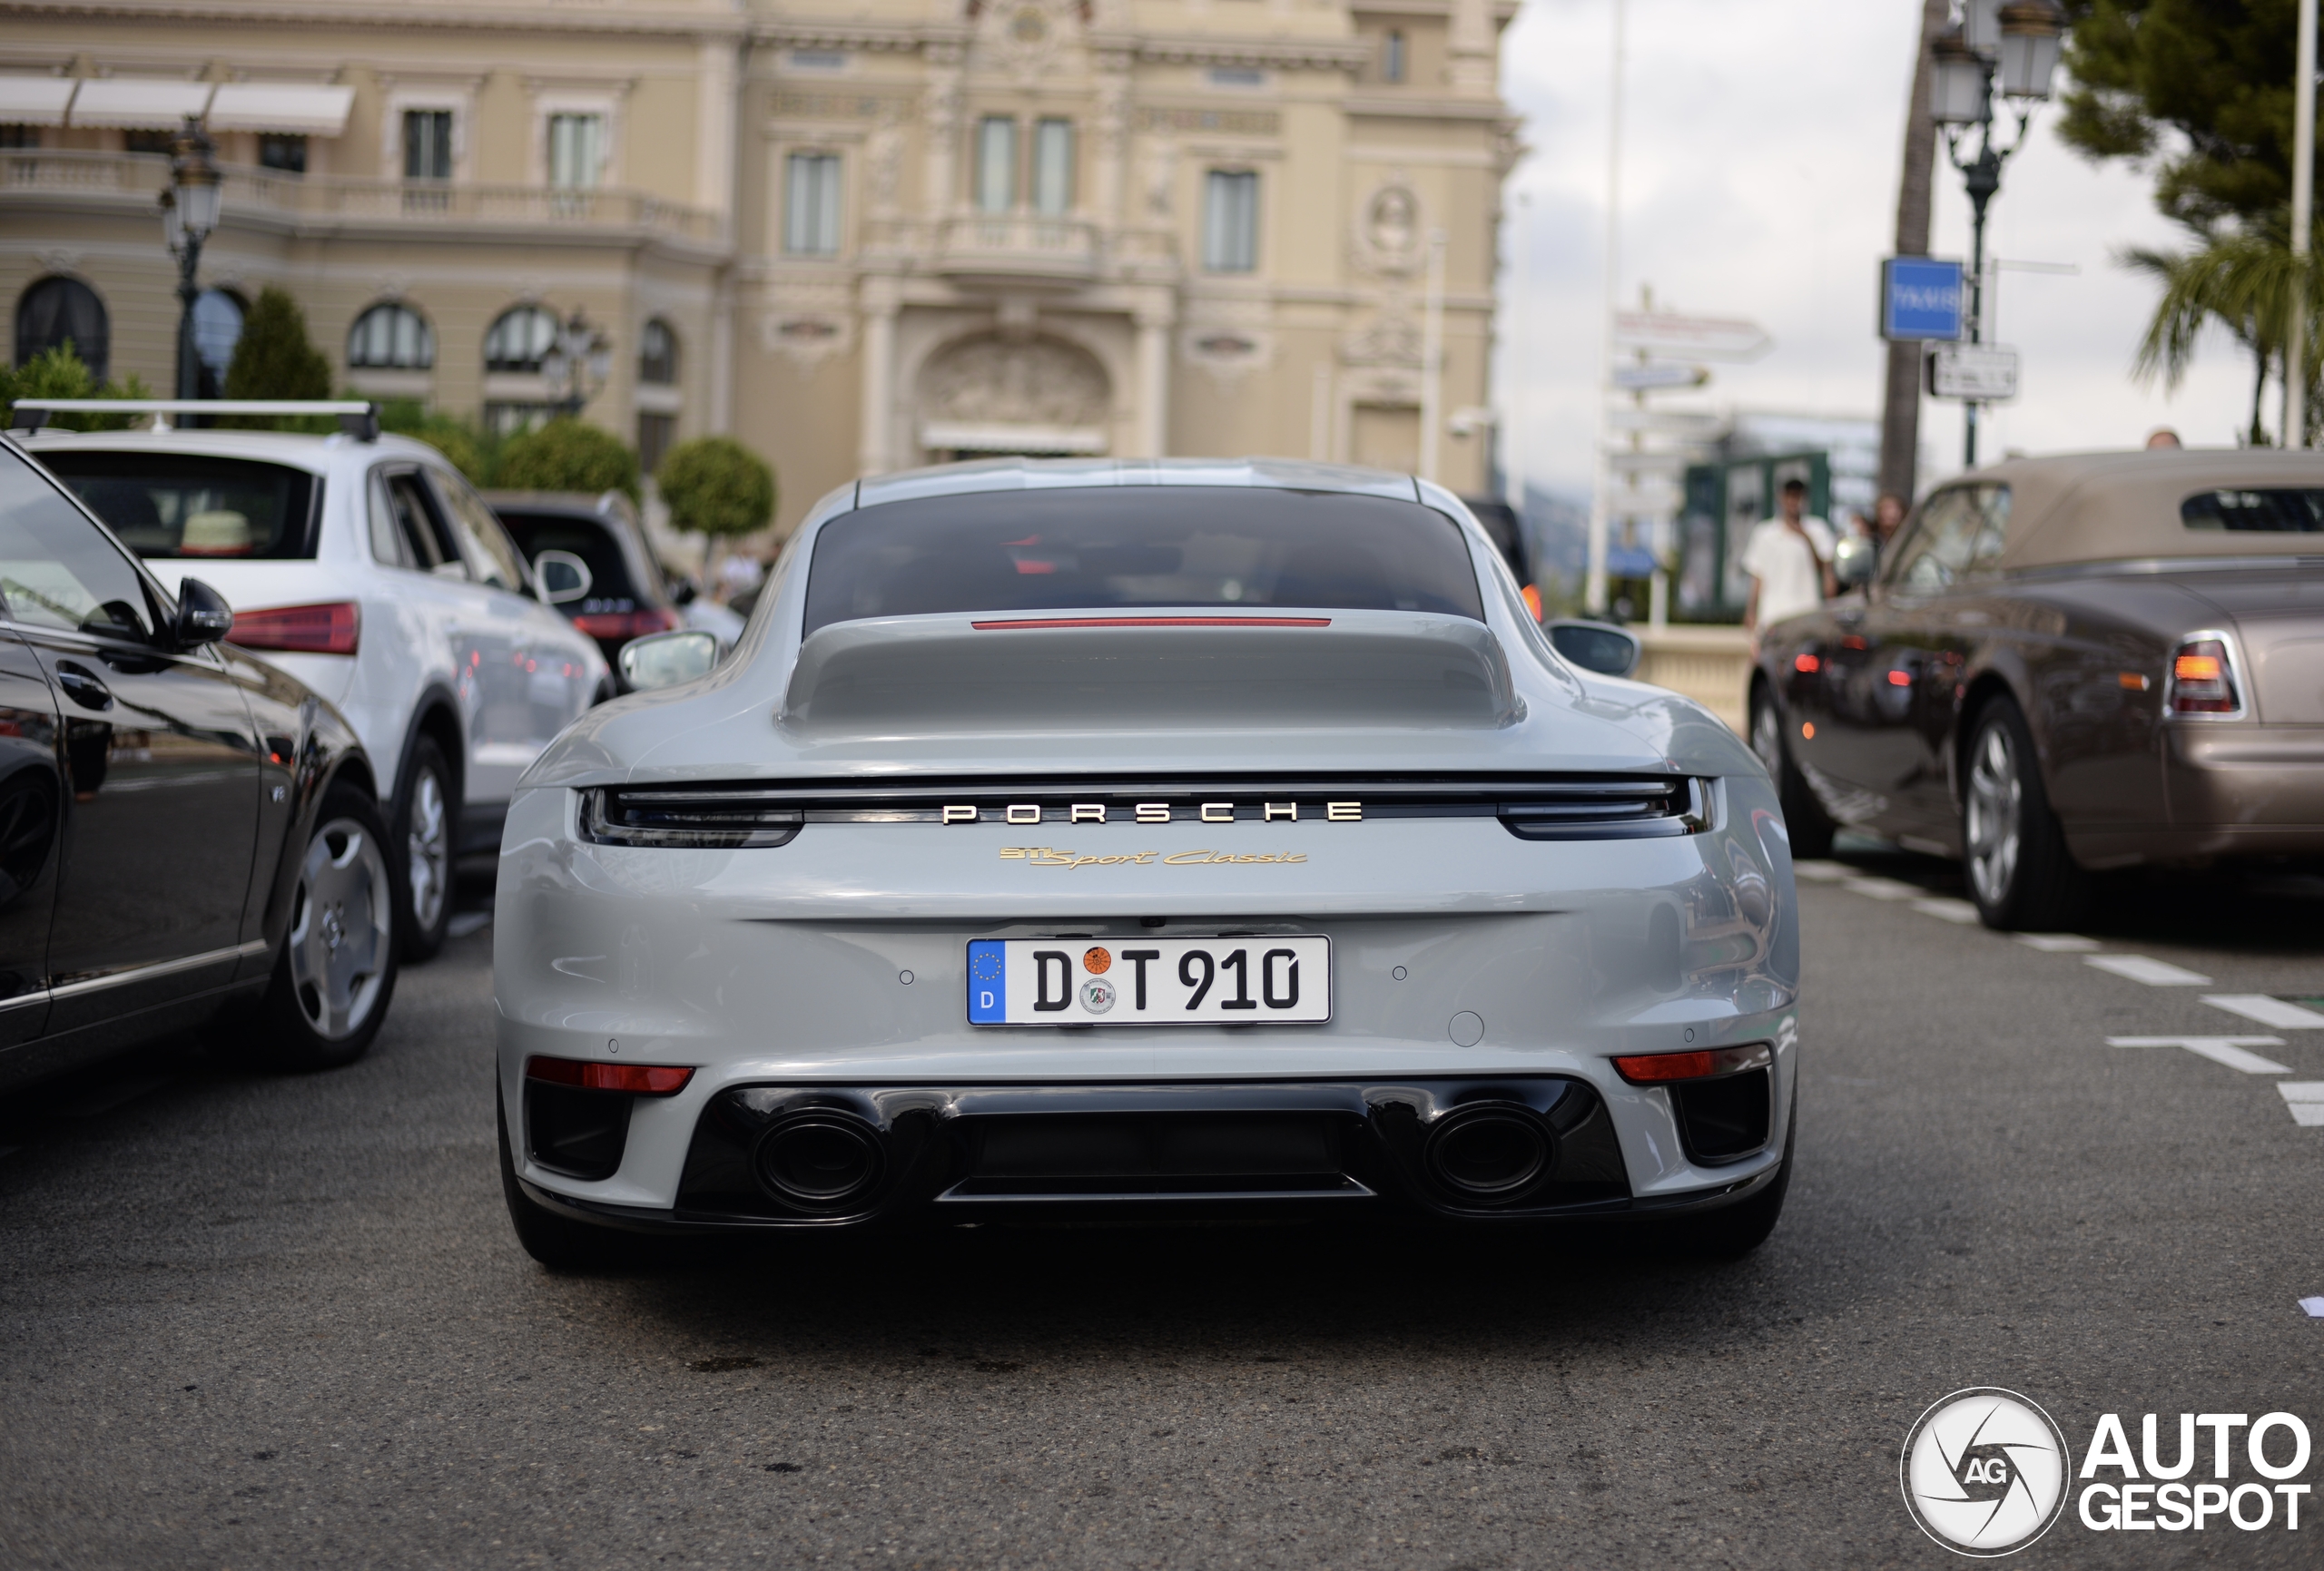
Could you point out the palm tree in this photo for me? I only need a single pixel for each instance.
(2242, 279)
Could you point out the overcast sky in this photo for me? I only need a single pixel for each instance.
(1761, 145)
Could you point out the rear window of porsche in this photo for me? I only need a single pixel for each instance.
(187, 505)
(2280, 510)
(1137, 547)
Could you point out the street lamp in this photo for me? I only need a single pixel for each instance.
(577, 364)
(2018, 42)
(189, 214)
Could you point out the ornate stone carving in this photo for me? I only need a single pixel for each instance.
(1229, 338)
(1390, 237)
(1393, 338)
(1161, 177)
(1032, 382)
(1027, 39)
(806, 324)
(883, 157)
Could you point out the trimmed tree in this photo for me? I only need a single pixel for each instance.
(59, 373)
(274, 359)
(474, 451)
(567, 455)
(714, 487)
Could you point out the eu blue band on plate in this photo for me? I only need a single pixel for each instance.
(988, 984)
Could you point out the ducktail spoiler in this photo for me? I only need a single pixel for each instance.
(1105, 671)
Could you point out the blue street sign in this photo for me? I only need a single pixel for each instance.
(1921, 299)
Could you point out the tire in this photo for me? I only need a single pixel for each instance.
(1736, 1229)
(2020, 873)
(425, 822)
(550, 1239)
(1809, 827)
(336, 973)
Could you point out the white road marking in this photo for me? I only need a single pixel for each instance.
(2315, 1308)
(2058, 943)
(466, 922)
(2306, 1100)
(2267, 1011)
(1819, 872)
(1961, 912)
(1885, 888)
(2227, 1050)
(2153, 973)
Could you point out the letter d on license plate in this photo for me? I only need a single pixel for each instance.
(1271, 981)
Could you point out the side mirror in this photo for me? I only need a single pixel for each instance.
(1854, 560)
(667, 658)
(1596, 646)
(560, 576)
(203, 615)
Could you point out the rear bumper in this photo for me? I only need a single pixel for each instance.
(1489, 1149)
(2237, 789)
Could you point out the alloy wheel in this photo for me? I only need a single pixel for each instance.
(339, 929)
(1995, 815)
(430, 847)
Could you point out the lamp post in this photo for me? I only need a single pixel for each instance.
(2017, 42)
(189, 214)
(577, 364)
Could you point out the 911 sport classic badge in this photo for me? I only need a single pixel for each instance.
(1984, 1472)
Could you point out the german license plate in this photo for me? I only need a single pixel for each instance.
(1150, 982)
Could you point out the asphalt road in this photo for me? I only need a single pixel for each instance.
(248, 1321)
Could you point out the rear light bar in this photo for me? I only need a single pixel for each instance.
(637, 1079)
(626, 623)
(691, 820)
(1661, 1068)
(333, 628)
(1024, 623)
(2201, 679)
(1611, 811)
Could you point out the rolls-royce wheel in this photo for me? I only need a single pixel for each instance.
(336, 970)
(424, 842)
(2021, 873)
(550, 1239)
(1805, 820)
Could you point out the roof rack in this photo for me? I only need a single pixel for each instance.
(359, 419)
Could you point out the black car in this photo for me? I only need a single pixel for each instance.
(188, 836)
(590, 559)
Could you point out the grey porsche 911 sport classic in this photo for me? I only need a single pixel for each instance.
(1181, 839)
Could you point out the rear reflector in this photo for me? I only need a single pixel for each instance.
(335, 628)
(1659, 1068)
(1014, 626)
(637, 1079)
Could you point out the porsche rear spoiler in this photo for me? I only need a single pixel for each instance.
(1069, 671)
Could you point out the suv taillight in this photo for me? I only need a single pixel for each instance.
(2203, 679)
(335, 628)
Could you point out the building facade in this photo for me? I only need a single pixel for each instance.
(858, 241)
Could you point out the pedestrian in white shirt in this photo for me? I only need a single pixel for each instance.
(1789, 559)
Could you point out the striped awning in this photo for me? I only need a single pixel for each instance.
(35, 100)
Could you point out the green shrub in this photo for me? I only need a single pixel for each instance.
(474, 451)
(567, 455)
(274, 359)
(59, 373)
(715, 485)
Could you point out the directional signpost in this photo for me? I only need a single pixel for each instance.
(1645, 451)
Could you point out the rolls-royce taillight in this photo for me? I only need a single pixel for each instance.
(2202, 678)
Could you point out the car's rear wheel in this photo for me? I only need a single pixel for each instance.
(337, 969)
(1805, 820)
(555, 1241)
(2021, 873)
(423, 826)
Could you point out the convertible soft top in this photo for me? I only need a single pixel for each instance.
(2124, 506)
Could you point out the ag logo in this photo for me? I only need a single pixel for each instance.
(1984, 1472)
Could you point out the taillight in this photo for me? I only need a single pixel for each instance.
(2202, 678)
(626, 623)
(333, 629)
(1806, 664)
(1661, 1068)
(637, 1079)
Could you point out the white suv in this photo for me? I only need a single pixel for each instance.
(369, 570)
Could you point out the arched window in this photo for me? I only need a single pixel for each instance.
(391, 336)
(657, 354)
(519, 339)
(57, 310)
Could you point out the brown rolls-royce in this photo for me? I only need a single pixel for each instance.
(2064, 665)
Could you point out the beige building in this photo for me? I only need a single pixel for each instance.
(858, 239)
